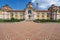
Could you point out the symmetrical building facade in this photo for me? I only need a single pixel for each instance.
(29, 13)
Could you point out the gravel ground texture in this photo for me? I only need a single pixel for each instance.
(29, 31)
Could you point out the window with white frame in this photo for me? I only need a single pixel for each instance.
(43, 15)
(16, 14)
(29, 12)
(11, 14)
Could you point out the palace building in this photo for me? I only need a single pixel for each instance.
(29, 13)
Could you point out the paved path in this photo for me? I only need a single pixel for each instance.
(29, 31)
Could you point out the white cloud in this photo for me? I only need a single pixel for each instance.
(46, 3)
(33, 0)
(42, 6)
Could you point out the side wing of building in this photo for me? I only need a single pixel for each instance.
(43, 14)
(16, 14)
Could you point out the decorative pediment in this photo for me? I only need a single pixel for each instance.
(29, 5)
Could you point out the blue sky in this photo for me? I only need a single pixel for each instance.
(15, 4)
(44, 4)
(21, 4)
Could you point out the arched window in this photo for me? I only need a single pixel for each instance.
(29, 12)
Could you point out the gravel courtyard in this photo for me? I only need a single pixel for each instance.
(29, 31)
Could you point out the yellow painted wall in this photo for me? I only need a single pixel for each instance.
(0, 12)
(40, 16)
(20, 16)
(17, 16)
(58, 13)
(9, 15)
(45, 16)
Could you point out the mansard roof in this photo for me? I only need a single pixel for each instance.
(6, 6)
(16, 11)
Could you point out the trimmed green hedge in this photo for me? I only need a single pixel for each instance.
(1, 20)
(11, 20)
(43, 20)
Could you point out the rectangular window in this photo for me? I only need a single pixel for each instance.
(11, 14)
(16, 14)
(38, 15)
(21, 15)
(47, 14)
(43, 15)
(59, 10)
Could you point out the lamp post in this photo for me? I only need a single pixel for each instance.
(37, 9)
(36, 5)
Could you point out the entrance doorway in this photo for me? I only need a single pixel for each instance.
(29, 16)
